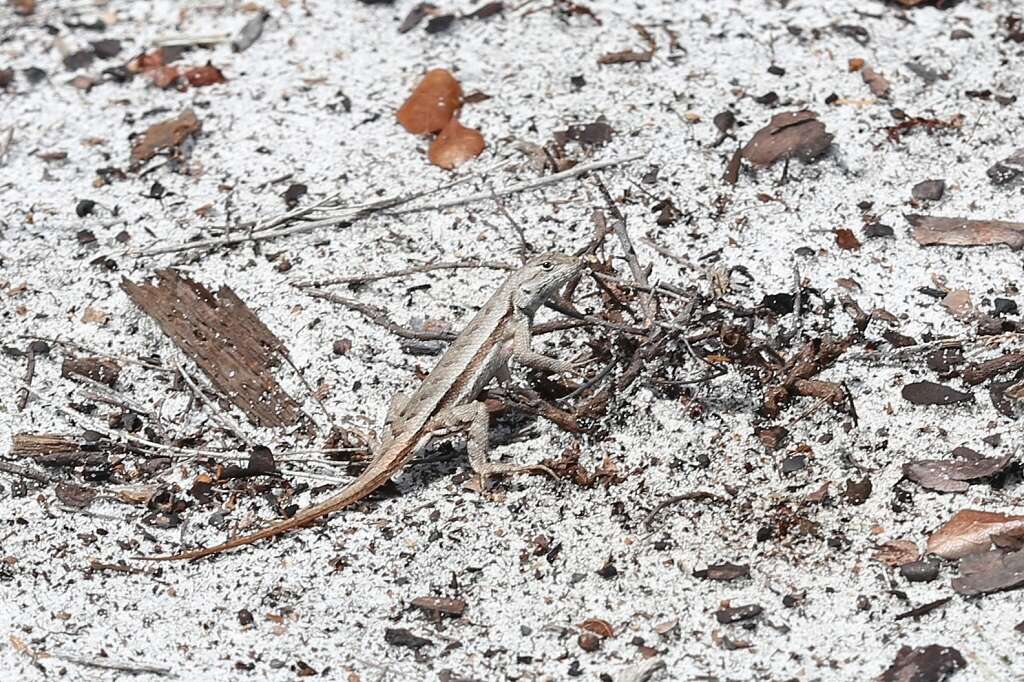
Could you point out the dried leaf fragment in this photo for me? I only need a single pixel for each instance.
(74, 495)
(931, 393)
(897, 553)
(794, 134)
(201, 76)
(846, 239)
(449, 607)
(971, 531)
(632, 56)
(992, 571)
(599, 627)
(455, 145)
(952, 476)
(876, 82)
(723, 572)
(932, 230)
(166, 135)
(432, 103)
(931, 663)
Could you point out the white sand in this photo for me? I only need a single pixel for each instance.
(436, 538)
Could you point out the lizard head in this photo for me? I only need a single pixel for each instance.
(541, 277)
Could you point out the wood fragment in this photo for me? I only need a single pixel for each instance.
(225, 339)
(934, 230)
(983, 371)
(51, 449)
(99, 369)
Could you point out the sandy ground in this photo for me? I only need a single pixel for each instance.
(526, 557)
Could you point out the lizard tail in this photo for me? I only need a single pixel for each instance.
(371, 479)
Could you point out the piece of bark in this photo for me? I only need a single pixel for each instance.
(934, 230)
(983, 371)
(50, 449)
(225, 339)
(102, 370)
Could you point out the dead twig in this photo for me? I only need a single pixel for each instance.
(226, 421)
(5, 146)
(112, 664)
(639, 273)
(525, 248)
(694, 495)
(24, 472)
(573, 172)
(380, 317)
(30, 372)
(404, 272)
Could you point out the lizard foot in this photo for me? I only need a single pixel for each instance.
(485, 471)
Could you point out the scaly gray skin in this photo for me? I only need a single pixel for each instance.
(446, 399)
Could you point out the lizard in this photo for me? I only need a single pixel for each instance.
(446, 399)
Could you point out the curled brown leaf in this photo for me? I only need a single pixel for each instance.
(971, 531)
(455, 145)
(794, 134)
(432, 104)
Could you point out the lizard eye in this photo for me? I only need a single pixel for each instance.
(547, 265)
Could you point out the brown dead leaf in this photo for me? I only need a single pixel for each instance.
(449, 607)
(94, 316)
(992, 571)
(201, 76)
(931, 393)
(23, 7)
(876, 81)
(632, 56)
(162, 56)
(794, 134)
(932, 125)
(74, 495)
(601, 628)
(896, 553)
(854, 64)
(951, 476)
(847, 240)
(164, 77)
(971, 531)
(166, 135)
(455, 145)
(432, 103)
(932, 230)
(958, 303)
(932, 663)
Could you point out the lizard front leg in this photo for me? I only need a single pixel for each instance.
(522, 352)
(475, 418)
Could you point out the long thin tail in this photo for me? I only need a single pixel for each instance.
(375, 475)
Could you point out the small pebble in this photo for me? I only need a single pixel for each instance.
(929, 190)
(920, 571)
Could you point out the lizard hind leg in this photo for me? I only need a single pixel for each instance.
(398, 402)
(474, 416)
